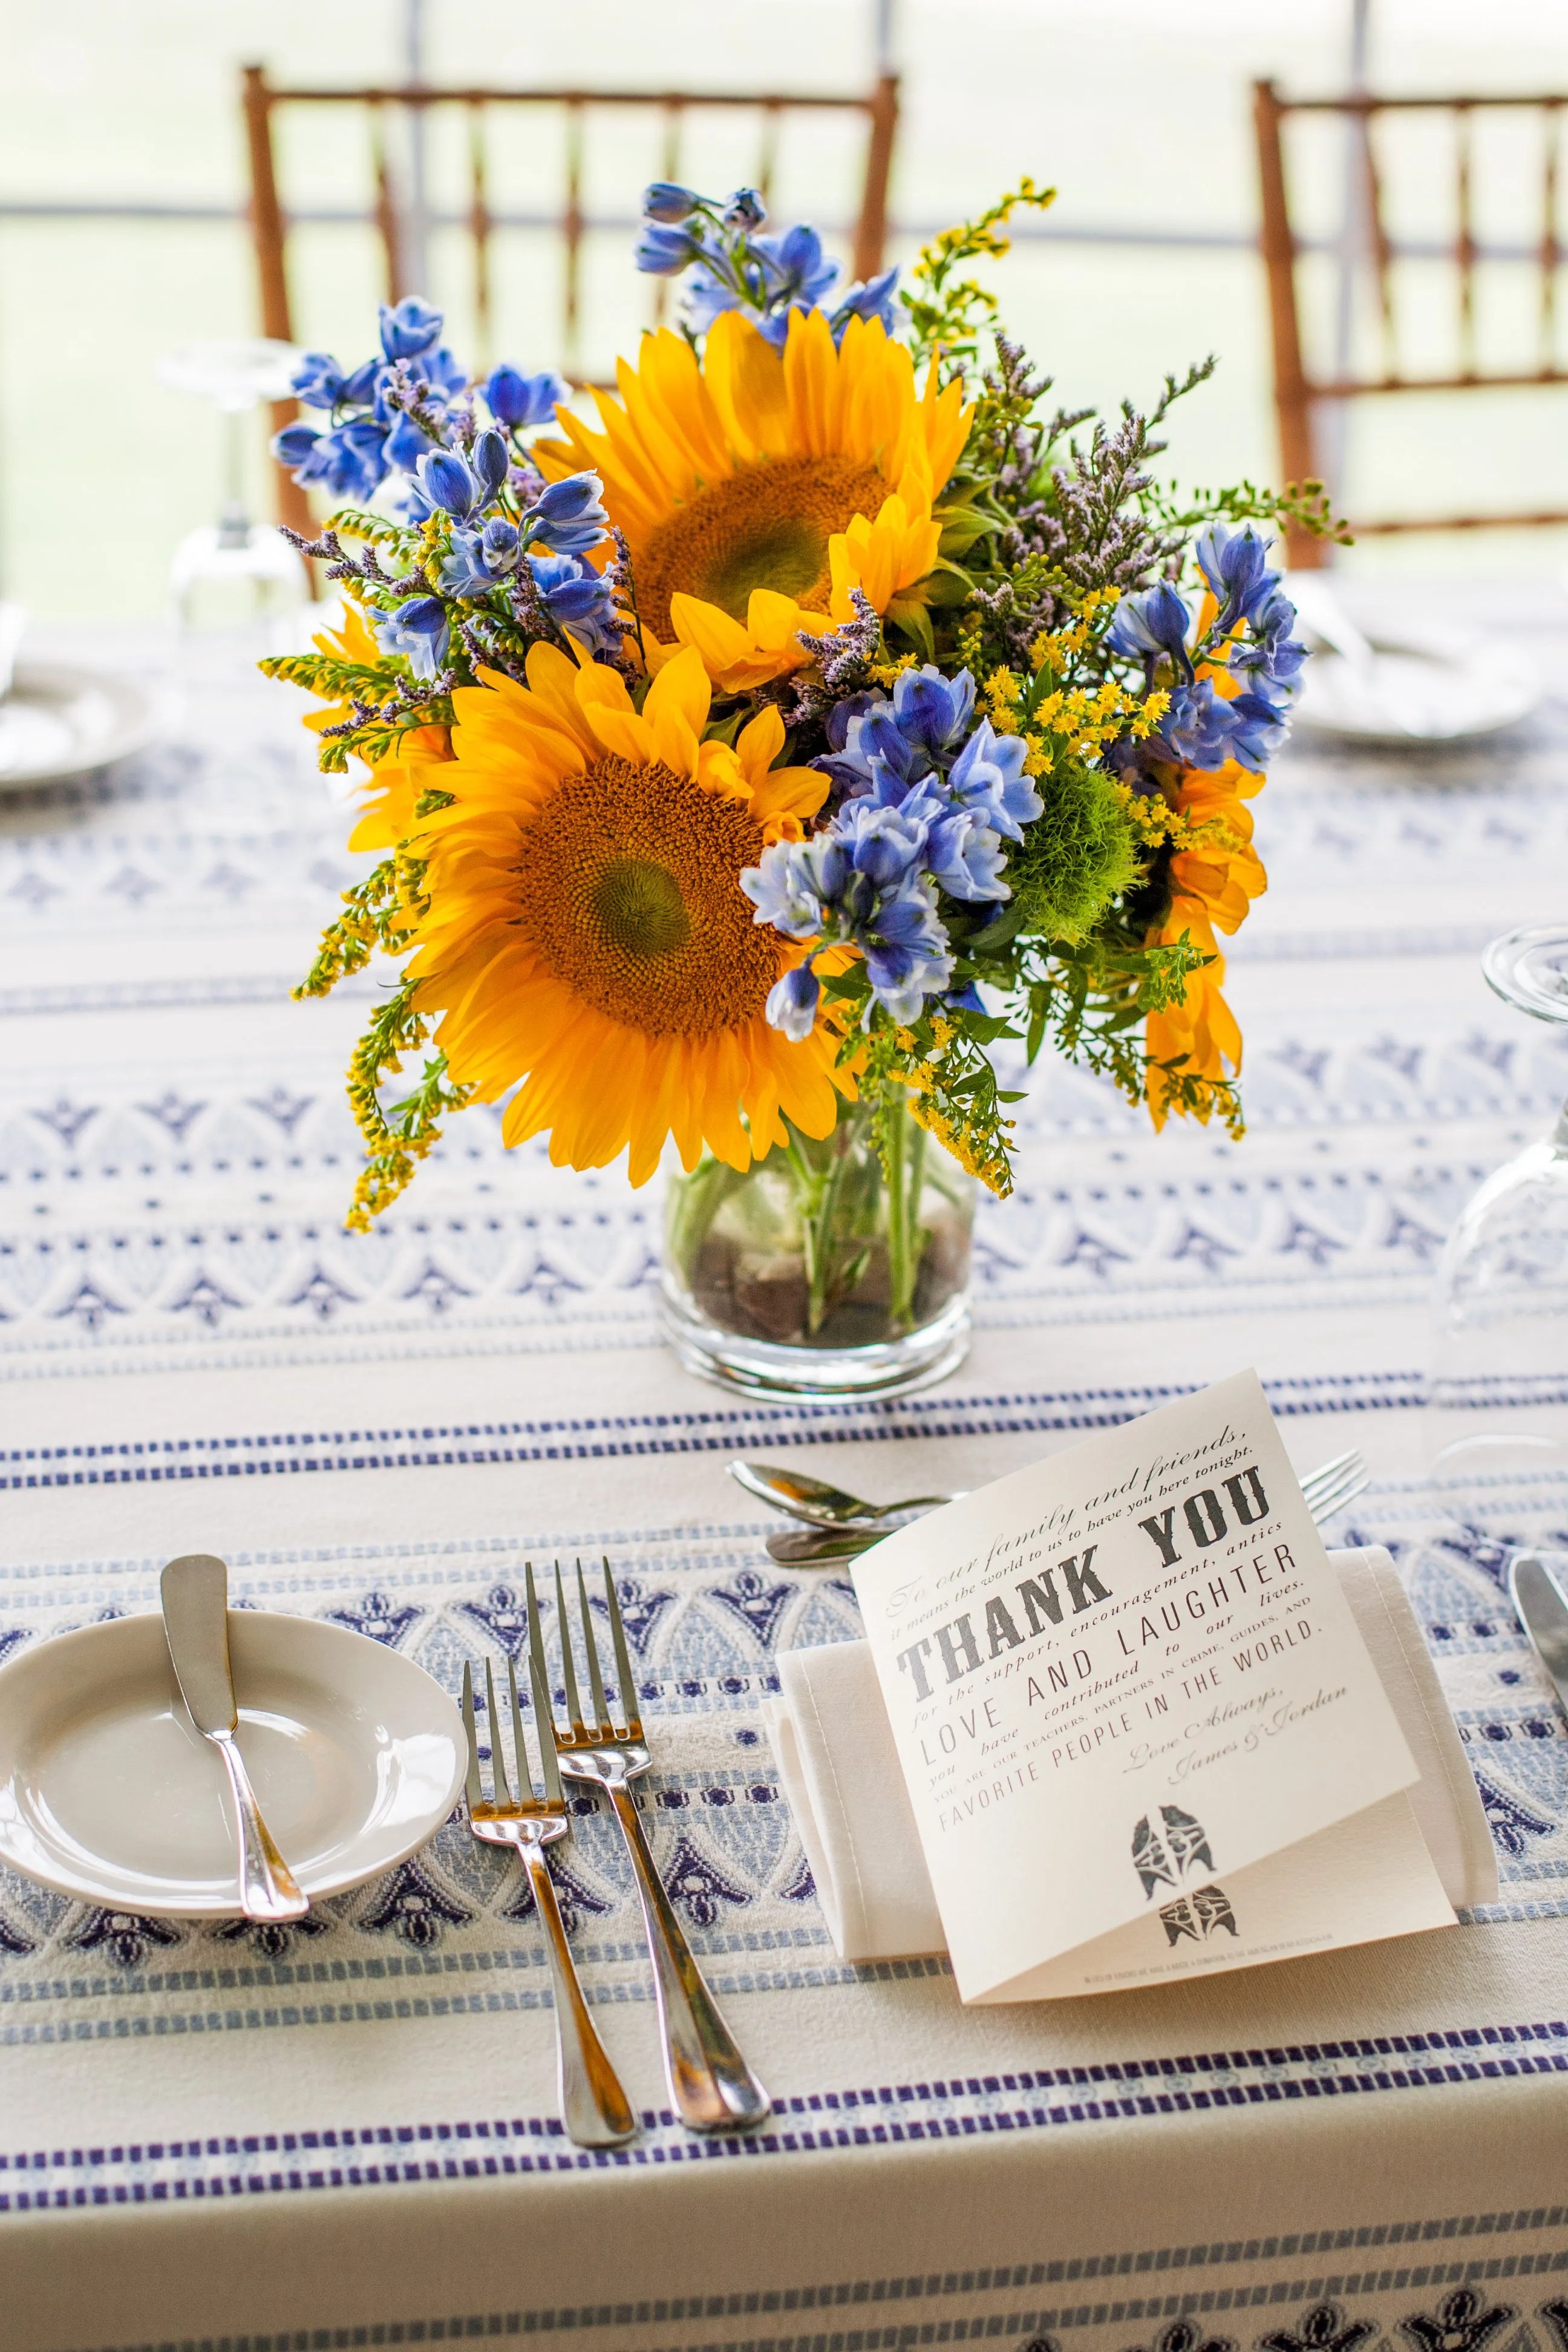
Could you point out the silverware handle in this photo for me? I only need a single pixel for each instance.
(593, 2107)
(822, 1548)
(267, 1884)
(711, 2084)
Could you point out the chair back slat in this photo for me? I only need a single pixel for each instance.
(572, 226)
(1551, 243)
(1298, 391)
(386, 210)
(1465, 239)
(1382, 244)
(480, 224)
(385, 106)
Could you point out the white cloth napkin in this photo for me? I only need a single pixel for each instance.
(840, 1773)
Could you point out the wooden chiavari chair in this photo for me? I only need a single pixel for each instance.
(270, 218)
(1300, 394)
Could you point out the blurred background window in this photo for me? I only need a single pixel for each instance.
(124, 178)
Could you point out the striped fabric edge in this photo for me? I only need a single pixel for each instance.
(152, 1460)
(843, 2310)
(891, 2115)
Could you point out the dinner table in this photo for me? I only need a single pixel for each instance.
(342, 2129)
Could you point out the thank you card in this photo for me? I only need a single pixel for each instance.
(1141, 1730)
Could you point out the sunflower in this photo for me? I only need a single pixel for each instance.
(387, 800)
(585, 930)
(1214, 876)
(757, 487)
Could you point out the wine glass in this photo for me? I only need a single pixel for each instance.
(1496, 1398)
(234, 573)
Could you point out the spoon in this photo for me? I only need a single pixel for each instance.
(818, 1504)
(820, 1547)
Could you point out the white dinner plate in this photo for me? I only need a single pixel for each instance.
(59, 722)
(107, 1792)
(1418, 689)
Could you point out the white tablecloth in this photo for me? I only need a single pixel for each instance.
(345, 2132)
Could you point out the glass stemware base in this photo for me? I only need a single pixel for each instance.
(1497, 1397)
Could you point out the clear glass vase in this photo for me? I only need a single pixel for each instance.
(818, 1273)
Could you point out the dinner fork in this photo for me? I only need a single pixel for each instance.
(711, 2085)
(593, 2107)
(1326, 1489)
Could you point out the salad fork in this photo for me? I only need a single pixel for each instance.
(711, 2085)
(593, 2107)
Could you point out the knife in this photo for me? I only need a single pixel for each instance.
(196, 1618)
(1543, 1609)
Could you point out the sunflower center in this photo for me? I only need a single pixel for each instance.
(628, 888)
(765, 527)
(640, 909)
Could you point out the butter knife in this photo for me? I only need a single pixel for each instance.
(1543, 1609)
(195, 1618)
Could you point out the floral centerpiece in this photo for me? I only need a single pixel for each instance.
(777, 761)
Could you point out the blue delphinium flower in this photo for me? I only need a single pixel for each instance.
(405, 444)
(449, 481)
(419, 630)
(518, 401)
(1152, 623)
(1257, 728)
(569, 515)
(987, 777)
(579, 600)
(966, 856)
(664, 252)
(409, 328)
(464, 571)
(792, 1000)
(350, 460)
(665, 200)
(870, 880)
(373, 433)
(927, 730)
(1272, 656)
(318, 380)
(767, 278)
(1195, 729)
(860, 883)
(1234, 565)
